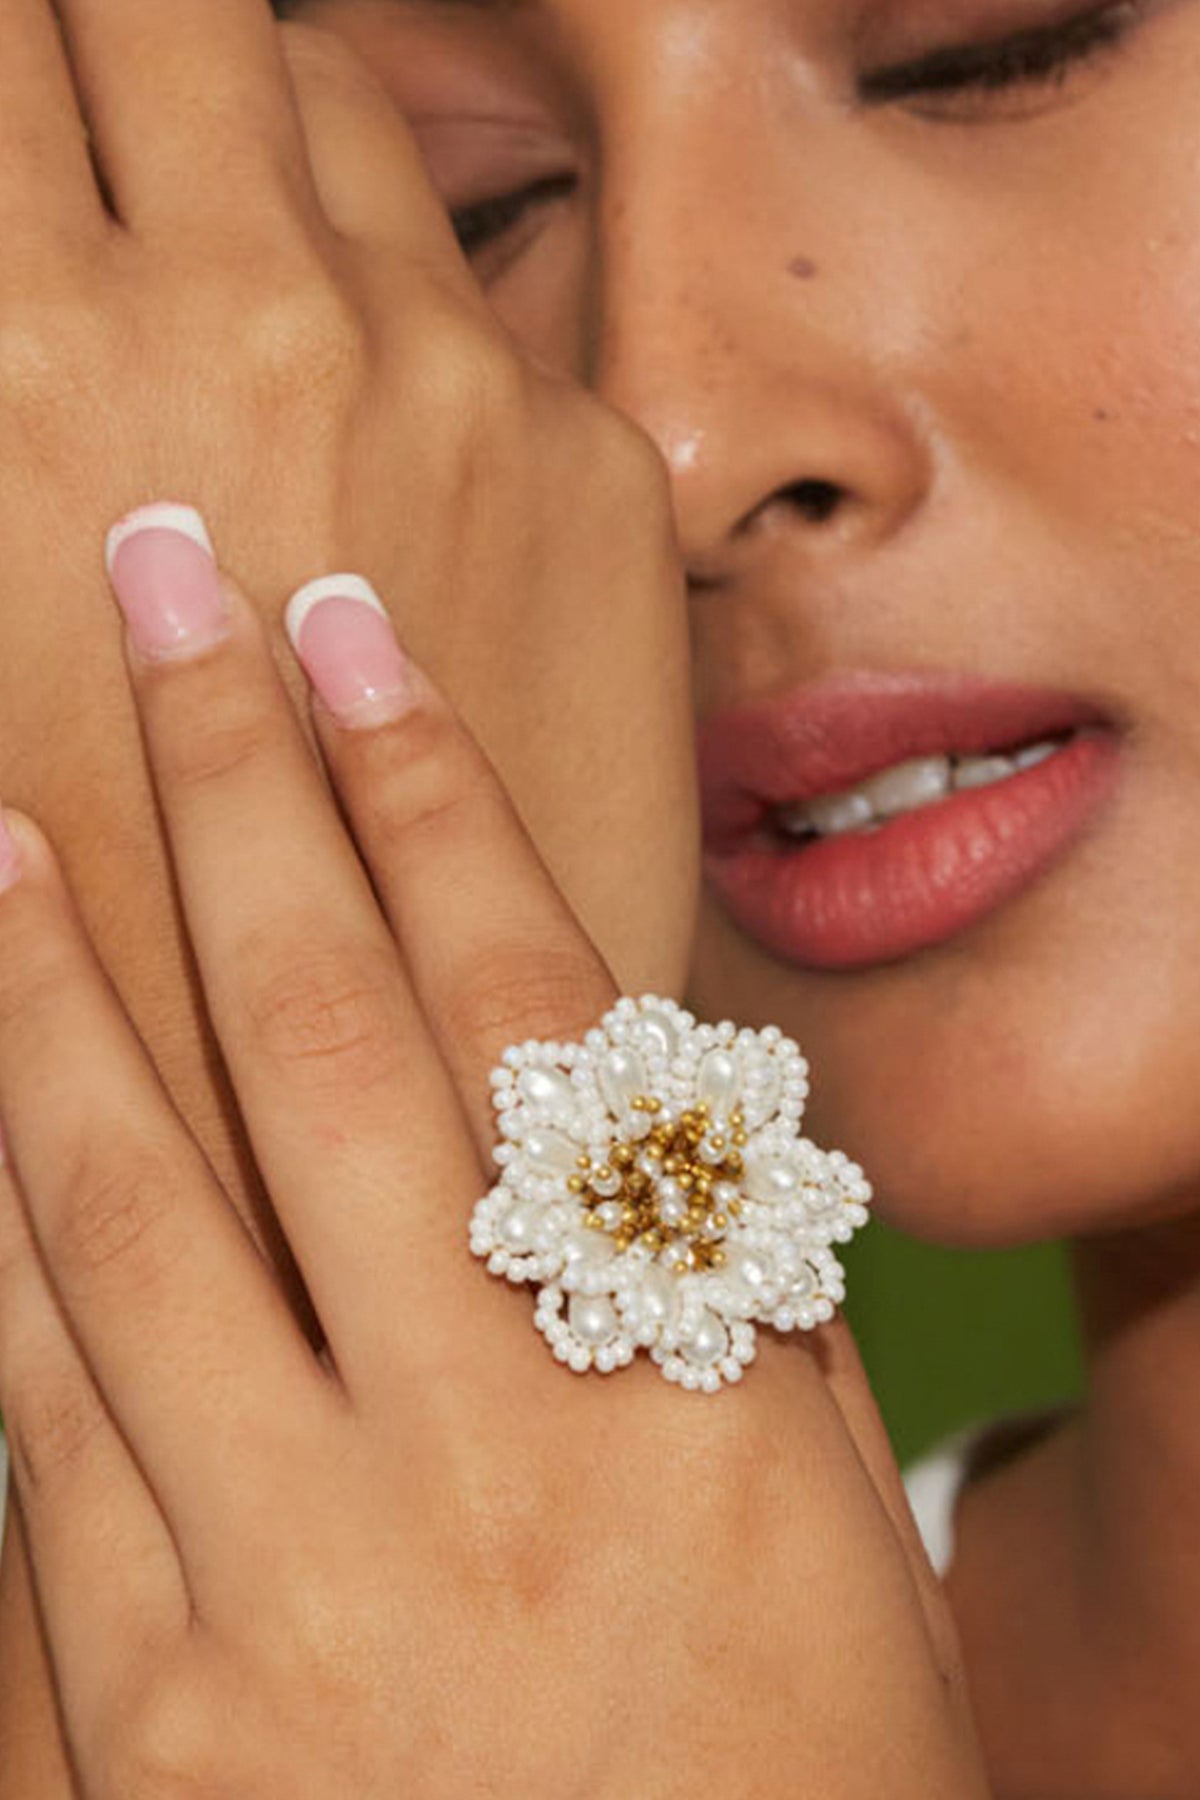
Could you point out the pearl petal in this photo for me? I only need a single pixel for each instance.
(593, 1319)
(621, 1078)
(718, 1081)
(550, 1151)
(708, 1343)
(550, 1093)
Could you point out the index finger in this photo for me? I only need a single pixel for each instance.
(494, 952)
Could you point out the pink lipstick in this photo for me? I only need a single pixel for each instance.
(863, 818)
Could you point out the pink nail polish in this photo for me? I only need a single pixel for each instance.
(164, 574)
(339, 629)
(10, 856)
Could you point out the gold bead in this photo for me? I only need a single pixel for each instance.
(576, 1184)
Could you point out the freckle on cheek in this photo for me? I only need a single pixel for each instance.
(803, 268)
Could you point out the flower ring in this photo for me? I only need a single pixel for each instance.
(656, 1188)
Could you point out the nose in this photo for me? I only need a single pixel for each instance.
(736, 322)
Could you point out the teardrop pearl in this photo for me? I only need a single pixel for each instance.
(519, 1227)
(593, 1319)
(589, 1249)
(550, 1092)
(658, 1296)
(660, 1035)
(622, 1080)
(748, 1271)
(718, 1082)
(709, 1342)
(771, 1181)
(550, 1151)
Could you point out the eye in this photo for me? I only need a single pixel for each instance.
(1041, 56)
(485, 222)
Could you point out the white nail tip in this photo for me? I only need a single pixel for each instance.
(166, 515)
(329, 587)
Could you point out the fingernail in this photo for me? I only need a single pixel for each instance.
(164, 574)
(10, 856)
(341, 632)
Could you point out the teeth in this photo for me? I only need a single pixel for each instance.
(1036, 753)
(844, 812)
(983, 771)
(906, 788)
(911, 785)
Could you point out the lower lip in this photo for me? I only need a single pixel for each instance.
(866, 899)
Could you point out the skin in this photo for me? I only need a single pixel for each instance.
(1013, 438)
(308, 332)
(1022, 463)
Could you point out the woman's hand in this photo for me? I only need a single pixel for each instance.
(227, 276)
(429, 1562)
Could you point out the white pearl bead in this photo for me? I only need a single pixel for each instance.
(550, 1092)
(708, 1342)
(770, 1181)
(519, 1227)
(621, 1079)
(656, 1299)
(593, 1318)
(588, 1249)
(659, 1034)
(748, 1271)
(551, 1151)
(718, 1080)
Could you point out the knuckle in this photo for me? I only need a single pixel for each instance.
(626, 465)
(327, 1009)
(50, 1428)
(526, 991)
(434, 779)
(114, 1209)
(212, 742)
(466, 378)
(303, 344)
(52, 359)
(166, 1746)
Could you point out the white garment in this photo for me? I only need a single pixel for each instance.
(934, 1485)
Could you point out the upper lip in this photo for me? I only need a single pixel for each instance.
(826, 736)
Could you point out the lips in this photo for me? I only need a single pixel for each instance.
(917, 881)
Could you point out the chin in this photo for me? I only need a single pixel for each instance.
(1033, 1081)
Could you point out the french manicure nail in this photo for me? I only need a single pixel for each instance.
(164, 573)
(341, 632)
(10, 856)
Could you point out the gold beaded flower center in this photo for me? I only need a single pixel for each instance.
(665, 1188)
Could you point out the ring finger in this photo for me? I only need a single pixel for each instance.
(47, 183)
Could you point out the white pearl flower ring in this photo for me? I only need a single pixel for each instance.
(656, 1189)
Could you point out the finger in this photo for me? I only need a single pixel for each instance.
(353, 1117)
(372, 180)
(47, 185)
(847, 1382)
(190, 108)
(186, 1334)
(107, 1571)
(493, 949)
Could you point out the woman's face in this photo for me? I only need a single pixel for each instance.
(908, 292)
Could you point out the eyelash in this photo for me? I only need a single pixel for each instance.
(1040, 56)
(481, 224)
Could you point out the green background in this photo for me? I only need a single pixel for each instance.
(953, 1337)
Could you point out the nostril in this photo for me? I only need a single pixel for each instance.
(817, 501)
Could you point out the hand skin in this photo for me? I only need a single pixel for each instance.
(299, 349)
(482, 1574)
